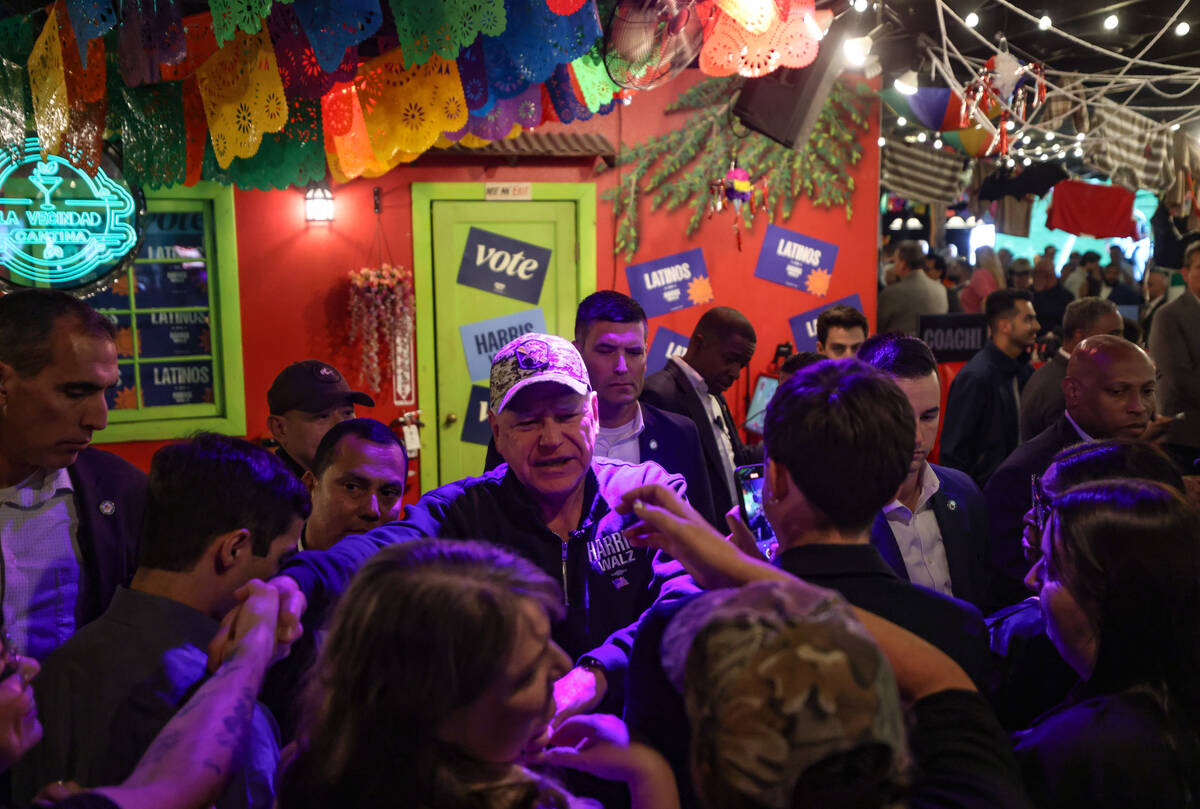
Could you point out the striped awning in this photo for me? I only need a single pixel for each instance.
(1135, 151)
(921, 173)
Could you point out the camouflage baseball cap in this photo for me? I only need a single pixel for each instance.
(778, 676)
(536, 358)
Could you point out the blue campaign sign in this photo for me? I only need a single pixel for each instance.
(173, 334)
(796, 261)
(482, 340)
(476, 429)
(804, 326)
(671, 283)
(505, 266)
(176, 383)
(666, 344)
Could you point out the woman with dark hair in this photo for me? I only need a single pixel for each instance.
(1119, 583)
(436, 682)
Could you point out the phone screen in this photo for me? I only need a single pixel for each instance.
(750, 487)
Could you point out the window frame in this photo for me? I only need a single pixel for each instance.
(225, 327)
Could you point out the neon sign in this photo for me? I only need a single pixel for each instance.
(60, 226)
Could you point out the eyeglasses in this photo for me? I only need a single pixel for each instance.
(12, 661)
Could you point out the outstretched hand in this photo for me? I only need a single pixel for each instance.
(266, 620)
(667, 522)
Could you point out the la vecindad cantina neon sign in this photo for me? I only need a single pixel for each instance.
(59, 224)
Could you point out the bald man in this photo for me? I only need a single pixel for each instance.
(1109, 390)
(721, 346)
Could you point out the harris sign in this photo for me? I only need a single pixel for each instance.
(61, 227)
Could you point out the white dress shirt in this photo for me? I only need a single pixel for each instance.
(40, 552)
(719, 428)
(919, 537)
(622, 442)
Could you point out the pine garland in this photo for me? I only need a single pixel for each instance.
(677, 168)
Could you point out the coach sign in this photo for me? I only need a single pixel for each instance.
(954, 338)
(505, 266)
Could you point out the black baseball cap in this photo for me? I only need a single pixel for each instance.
(311, 386)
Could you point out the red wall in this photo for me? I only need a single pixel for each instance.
(292, 274)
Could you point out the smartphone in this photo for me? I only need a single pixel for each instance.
(750, 488)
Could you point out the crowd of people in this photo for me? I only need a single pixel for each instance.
(589, 621)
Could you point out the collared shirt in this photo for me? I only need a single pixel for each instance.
(919, 537)
(109, 690)
(41, 561)
(719, 427)
(1078, 429)
(621, 442)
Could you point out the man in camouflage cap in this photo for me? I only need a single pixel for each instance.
(552, 501)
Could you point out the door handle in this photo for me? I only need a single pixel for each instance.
(451, 418)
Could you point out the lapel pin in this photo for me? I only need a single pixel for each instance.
(951, 504)
(108, 508)
(653, 444)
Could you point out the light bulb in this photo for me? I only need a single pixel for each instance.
(1079, 136)
(1182, 29)
(1174, 127)
(1049, 136)
(882, 141)
(857, 50)
(1110, 22)
(907, 82)
(1010, 126)
(1044, 157)
(901, 121)
(1078, 152)
(860, 6)
(937, 144)
(972, 20)
(1044, 23)
(1026, 162)
(1026, 139)
(922, 137)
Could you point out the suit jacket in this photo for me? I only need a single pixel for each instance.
(1175, 347)
(1042, 401)
(110, 498)
(861, 575)
(962, 520)
(673, 443)
(981, 429)
(1009, 496)
(1148, 313)
(670, 390)
(902, 304)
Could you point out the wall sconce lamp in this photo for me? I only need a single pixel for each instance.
(318, 203)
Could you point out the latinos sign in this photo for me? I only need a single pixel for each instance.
(796, 261)
(505, 266)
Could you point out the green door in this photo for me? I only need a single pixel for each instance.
(466, 233)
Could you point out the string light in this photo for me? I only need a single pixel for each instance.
(1182, 29)
(1027, 162)
(901, 121)
(1174, 127)
(1010, 126)
(937, 144)
(922, 137)
(1078, 152)
(972, 20)
(1044, 157)
(1044, 23)
(1026, 140)
(1110, 22)
(860, 6)
(882, 141)
(1049, 136)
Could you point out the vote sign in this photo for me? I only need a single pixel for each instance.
(796, 261)
(476, 429)
(503, 266)
(804, 326)
(671, 283)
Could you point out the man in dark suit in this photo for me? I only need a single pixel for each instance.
(1175, 346)
(1110, 393)
(721, 345)
(70, 515)
(831, 467)
(982, 418)
(934, 531)
(610, 333)
(1042, 399)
